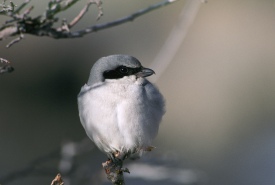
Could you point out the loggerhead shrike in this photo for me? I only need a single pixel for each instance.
(119, 109)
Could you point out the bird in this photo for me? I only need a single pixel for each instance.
(119, 108)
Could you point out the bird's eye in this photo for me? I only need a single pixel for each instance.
(123, 70)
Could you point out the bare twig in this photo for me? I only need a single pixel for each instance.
(85, 9)
(21, 6)
(80, 15)
(57, 180)
(100, 10)
(77, 18)
(27, 12)
(16, 40)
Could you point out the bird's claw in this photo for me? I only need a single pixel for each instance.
(117, 156)
(111, 157)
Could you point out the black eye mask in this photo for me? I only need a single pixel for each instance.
(120, 72)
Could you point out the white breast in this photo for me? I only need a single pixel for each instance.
(121, 115)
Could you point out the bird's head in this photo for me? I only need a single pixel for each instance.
(116, 67)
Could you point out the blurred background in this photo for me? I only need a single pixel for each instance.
(219, 89)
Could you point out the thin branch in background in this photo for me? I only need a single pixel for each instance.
(122, 20)
(173, 42)
(42, 25)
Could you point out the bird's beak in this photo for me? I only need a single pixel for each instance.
(145, 72)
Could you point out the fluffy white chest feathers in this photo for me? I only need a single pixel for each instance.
(119, 109)
(122, 114)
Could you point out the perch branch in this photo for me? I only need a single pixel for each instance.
(114, 171)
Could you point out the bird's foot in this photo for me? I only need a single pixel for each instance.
(121, 155)
(113, 157)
